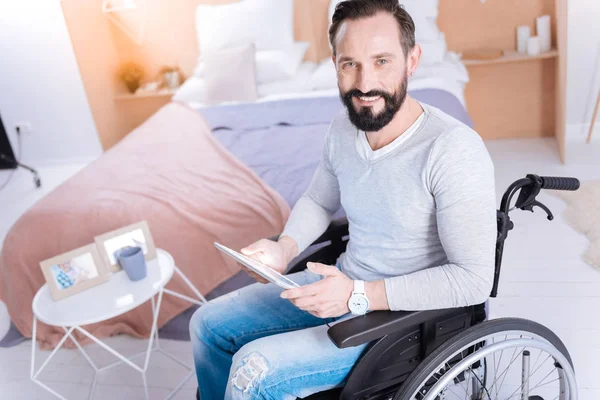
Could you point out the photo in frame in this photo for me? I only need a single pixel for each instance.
(74, 271)
(137, 234)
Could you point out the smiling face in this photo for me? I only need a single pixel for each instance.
(372, 70)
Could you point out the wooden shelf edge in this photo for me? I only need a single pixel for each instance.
(512, 56)
(129, 96)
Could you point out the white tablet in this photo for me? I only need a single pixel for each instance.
(268, 273)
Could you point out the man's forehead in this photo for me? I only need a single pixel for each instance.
(379, 33)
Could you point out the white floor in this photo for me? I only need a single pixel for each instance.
(543, 279)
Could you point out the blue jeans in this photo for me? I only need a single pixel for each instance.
(252, 344)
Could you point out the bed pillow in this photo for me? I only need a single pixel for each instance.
(192, 91)
(299, 83)
(230, 74)
(272, 65)
(278, 65)
(269, 24)
(325, 76)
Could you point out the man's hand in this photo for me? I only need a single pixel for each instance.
(275, 255)
(326, 298)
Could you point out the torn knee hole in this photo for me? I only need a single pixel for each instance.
(251, 371)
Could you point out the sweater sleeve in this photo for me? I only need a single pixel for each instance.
(460, 175)
(313, 212)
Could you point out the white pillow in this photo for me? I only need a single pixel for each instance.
(421, 8)
(230, 74)
(433, 52)
(300, 82)
(269, 24)
(325, 76)
(272, 65)
(192, 91)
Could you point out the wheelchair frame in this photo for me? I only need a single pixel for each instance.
(400, 340)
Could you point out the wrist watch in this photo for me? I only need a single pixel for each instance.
(358, 302)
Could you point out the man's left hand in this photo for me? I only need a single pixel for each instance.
(326, 298)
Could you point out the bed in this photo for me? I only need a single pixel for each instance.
(183, 170)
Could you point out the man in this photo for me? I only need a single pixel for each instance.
(418, 189)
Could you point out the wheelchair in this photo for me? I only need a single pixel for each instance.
(452, 353)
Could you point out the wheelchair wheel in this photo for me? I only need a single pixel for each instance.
(507, 359)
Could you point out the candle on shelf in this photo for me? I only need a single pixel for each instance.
(543, 31)
(523, 34)
(533, 46)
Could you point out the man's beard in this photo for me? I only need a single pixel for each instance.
(364, 119)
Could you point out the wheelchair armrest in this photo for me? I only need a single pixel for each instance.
(338, 228)
(377, 324)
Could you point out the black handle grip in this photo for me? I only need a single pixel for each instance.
(559, 183)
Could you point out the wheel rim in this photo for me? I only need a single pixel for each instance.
(501, 385)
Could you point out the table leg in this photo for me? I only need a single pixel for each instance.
(153, 312)
(81, 349)
(190, 284)
(109, 349)
(35, 374)
(145, 387)
(87, 357)
(33, 344)
(154, 329)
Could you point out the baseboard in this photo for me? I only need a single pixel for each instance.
(577, 150)
(59, 161)
(578, 133)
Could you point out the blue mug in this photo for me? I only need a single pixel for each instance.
(132, 260)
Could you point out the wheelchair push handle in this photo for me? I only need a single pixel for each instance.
(559, 183)
(528, 188)
(531, 186)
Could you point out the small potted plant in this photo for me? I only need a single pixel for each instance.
(171, 76)
(131, 75)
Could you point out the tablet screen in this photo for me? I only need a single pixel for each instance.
(266, 272)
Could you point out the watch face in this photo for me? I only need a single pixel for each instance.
(358, 304)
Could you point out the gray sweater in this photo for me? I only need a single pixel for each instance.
(422, 217)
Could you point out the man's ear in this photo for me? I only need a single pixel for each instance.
(414, 57)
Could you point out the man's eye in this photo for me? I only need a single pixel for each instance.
(382, 61)
(350, 64)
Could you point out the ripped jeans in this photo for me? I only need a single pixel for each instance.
(252, 344)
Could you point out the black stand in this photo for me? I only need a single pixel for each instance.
(12, 163)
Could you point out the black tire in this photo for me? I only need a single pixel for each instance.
(454, 344)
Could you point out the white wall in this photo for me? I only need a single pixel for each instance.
(40, 83)
(583, 68)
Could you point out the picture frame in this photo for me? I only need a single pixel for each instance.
(74, 271)
(137, 234)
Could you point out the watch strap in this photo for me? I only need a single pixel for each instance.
(359, 287)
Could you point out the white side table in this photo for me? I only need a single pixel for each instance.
(105, 301)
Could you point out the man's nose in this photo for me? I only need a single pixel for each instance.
(366, 80)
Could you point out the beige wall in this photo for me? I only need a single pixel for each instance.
(97, 58)
(170, 38)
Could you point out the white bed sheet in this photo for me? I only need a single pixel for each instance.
(450, 75)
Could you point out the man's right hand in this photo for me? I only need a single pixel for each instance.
(275, 255)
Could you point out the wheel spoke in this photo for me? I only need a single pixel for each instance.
(472, 358)
(505, 372)
(547, 383)
(527, 380)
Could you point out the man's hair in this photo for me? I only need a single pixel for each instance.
(357, 9)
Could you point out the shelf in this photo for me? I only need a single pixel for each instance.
(142, 95)
(511, 56)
